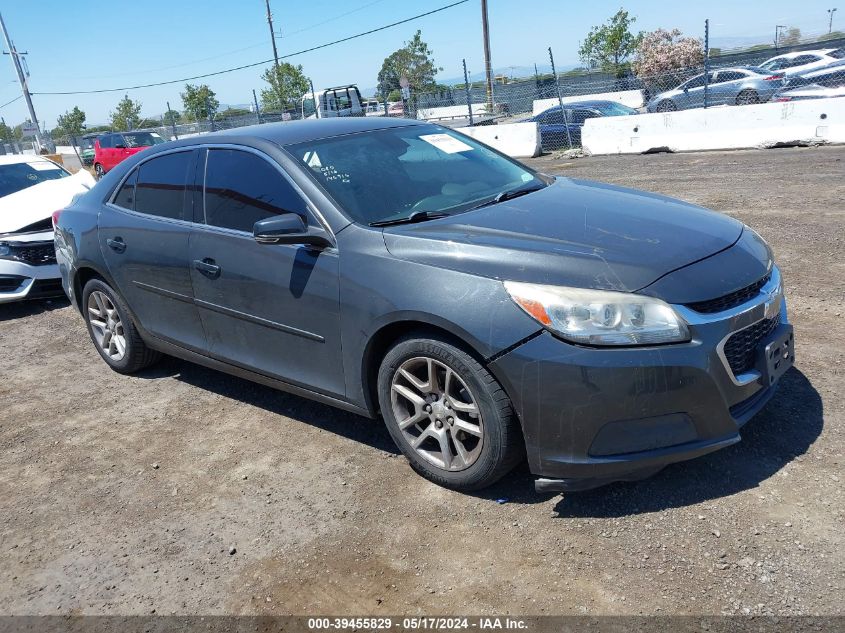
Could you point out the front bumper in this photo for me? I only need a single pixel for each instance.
(592, 416)
(20, 280)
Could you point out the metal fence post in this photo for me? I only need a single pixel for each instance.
(466, 89)
(706, 63)
(257, 111)
(560, 100)
(172, 121)
(314, 99)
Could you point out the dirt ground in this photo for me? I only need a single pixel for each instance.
(125, 495)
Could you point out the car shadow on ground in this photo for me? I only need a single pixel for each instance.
(20, 309)
(782, 431)
(349, 425)
(785, 429)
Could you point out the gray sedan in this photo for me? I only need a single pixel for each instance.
(727, 86)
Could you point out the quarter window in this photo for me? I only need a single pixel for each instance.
(126, 195)
(160, 188)
(242, 188)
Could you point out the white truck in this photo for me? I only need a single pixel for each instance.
(332, 102)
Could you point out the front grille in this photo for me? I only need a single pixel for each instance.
(741, 347)
(731, 300)
(34, 253)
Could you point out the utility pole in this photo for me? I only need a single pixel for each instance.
(830, 20)
(488, 69)
(778, 27)
(272, 33)
(15, 55)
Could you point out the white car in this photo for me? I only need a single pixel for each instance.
(802, 61)
(31, 189)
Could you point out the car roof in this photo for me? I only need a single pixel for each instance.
(790, 55)
(292, 132)
(17, 159)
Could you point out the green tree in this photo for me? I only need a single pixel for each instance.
(6, 134)
(231, 112)
(71, 124)
(610, 45)
(414, 61)
(199, 102)
(126, 115)
(286, 85)
(172, 116)
(791, 37)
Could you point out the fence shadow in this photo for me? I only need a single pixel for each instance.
(785, 429)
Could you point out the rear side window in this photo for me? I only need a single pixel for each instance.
(105, 141)
(126, 194)
(161, 184)
(242, 188)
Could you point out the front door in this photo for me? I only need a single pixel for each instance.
(144, 239)
(271, 308)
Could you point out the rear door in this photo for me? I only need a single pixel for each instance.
(271, 308)
(726, 86)
(143, 236)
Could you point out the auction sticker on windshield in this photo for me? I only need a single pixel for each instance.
(446, 143)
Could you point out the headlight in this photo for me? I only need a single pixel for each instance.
(597, 317)
(5, 249)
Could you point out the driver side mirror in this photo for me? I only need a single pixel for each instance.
(288, 228)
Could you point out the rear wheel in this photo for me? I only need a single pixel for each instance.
(112, 330)
(747, 97)
(99, 172)
(448, 414)
(667, 105)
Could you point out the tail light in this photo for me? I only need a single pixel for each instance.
(773, 77)
(783, 99)
(56, 215)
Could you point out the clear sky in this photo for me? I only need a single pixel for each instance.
(85, 45)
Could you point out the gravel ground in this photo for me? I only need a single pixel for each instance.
(187, 491)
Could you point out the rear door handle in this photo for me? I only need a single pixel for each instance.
(116, 244)
(207, 267)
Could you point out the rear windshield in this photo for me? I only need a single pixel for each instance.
(19, 176)
(142, 139)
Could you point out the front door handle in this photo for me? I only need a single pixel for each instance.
(116, 244)
(207, 267)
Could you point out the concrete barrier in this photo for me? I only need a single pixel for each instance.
(814, 121)
(630, 98)
(518, 140)
(450, 112)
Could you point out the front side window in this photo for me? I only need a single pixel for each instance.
(695, 82)
(389, 174)
(160, 188)
(242, 188)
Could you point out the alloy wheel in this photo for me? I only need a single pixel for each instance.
(437, 413)
(106, 325)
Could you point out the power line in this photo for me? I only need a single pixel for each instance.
(254, 64)
(12, 101)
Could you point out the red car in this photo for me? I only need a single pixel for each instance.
(110, 149)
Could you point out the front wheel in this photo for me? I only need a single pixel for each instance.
(112, 330)
(667, 105)
(447, 414)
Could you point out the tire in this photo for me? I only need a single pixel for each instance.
(667, 105)
(747, 97)
(99, 172)
(114, 335)
(491, 438)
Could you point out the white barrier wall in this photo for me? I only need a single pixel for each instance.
(518, 140)
(726, 127)
(448, 112)
(630, 98)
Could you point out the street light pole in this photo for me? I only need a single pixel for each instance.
(488, 69)
(830, 20)
(15, 55)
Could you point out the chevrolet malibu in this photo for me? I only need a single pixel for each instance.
(488, 313)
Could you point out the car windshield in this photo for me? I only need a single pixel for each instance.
(86, 143)
(19, 176)
(142, 139)
(387, 175)
(614, 109)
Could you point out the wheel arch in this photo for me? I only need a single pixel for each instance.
(84, 273)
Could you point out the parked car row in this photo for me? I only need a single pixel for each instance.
(451, 290)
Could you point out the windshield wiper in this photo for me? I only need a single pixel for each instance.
(416, 216)
(510, 194)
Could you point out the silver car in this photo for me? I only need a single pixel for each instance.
(727, 86)
(814, 84)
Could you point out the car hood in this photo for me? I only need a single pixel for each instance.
(30, 205)
(573, 233)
